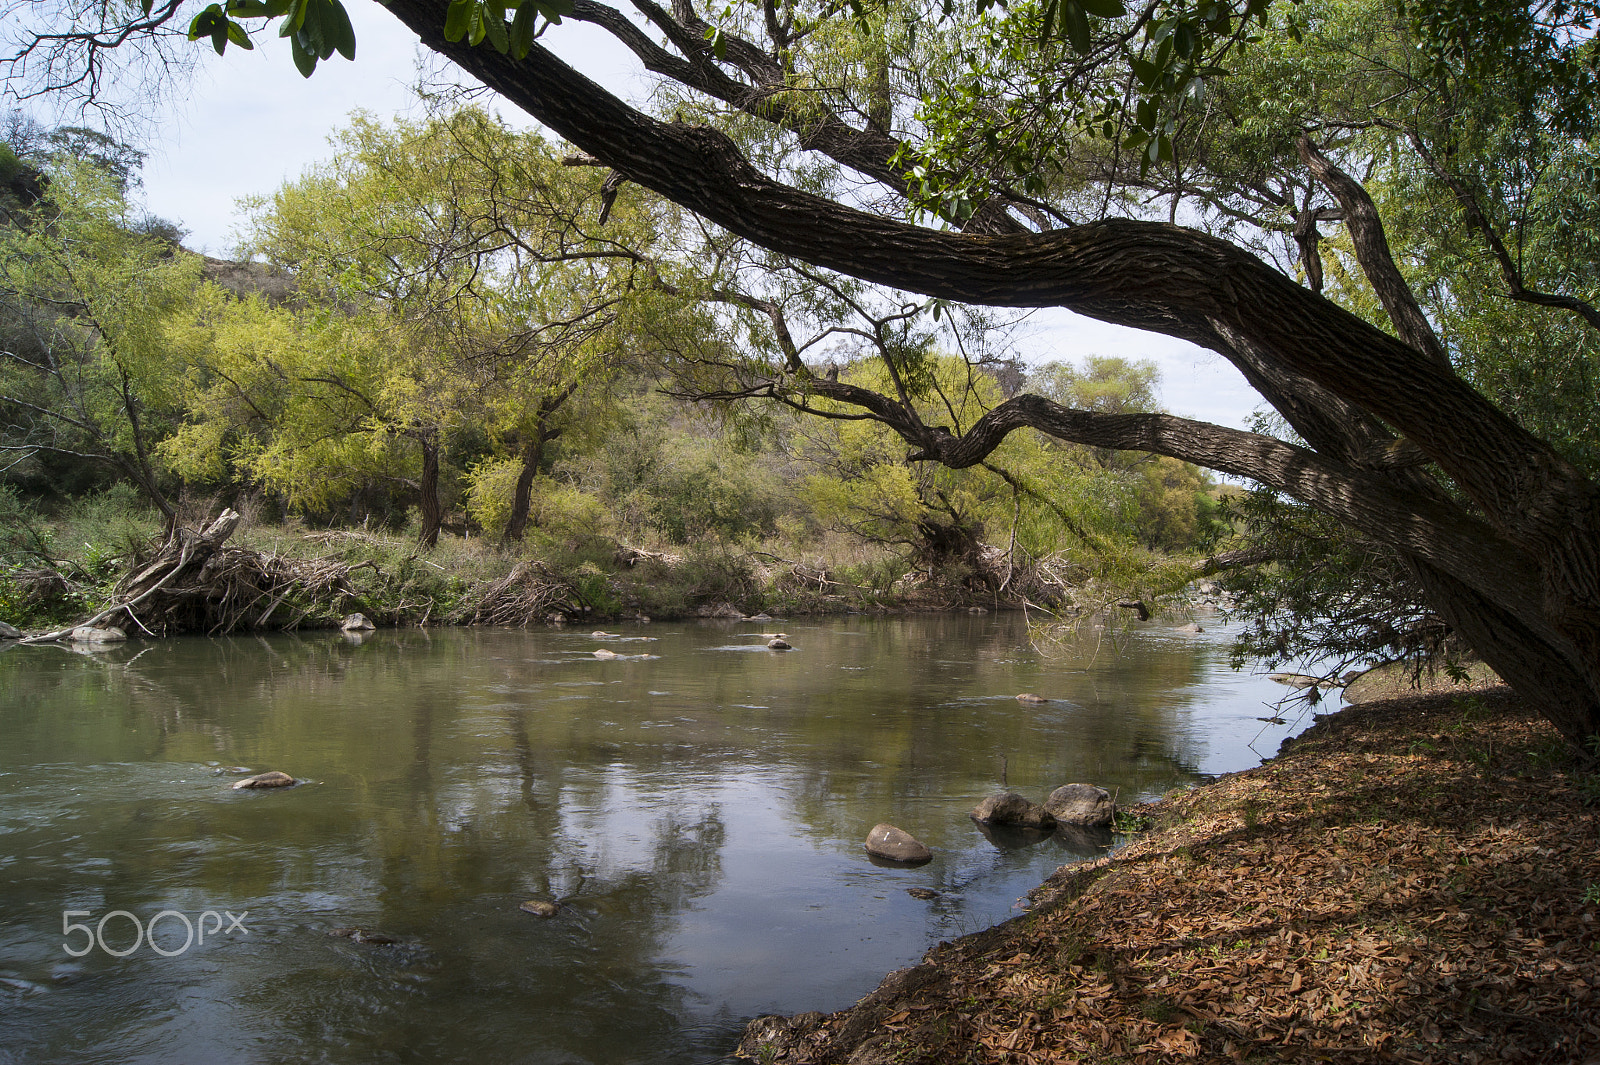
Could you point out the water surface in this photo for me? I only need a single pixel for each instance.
(697, 804)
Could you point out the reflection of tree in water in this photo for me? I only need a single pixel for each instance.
(935, 722)
(588, 985)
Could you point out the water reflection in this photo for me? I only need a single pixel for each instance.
(699, 813)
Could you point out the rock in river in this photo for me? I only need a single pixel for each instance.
(887, 841)
(357, 623)
(7, 632)
(90, 634)
(1029, 697)
(1081, 804)
(778, 643)
(540, 908)
(273, 779)
(1009, 808)
(364, 935)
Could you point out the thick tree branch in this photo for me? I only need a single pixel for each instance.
(1372, 252)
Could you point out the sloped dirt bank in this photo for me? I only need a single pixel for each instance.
(1416, 880)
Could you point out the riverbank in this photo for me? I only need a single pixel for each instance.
(1414, 880)
(252, 577)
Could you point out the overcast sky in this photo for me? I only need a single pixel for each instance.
(248, 122)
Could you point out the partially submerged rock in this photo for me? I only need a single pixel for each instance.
(540, 907)
(1009, 808)
(364, 935)
(777, 643)
(1191, 627)
(603, 653)
(92, 634)
(357, 623)
(1295, 680)
(925, 894)
(896, 845)
(271, 779)
(1030, 697)
(1081, 804)
(8, 632)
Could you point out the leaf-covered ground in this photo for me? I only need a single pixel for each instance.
(1412, 881)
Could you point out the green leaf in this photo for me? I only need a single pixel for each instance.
(458, 19)
(304, 61)
(522, 29)
(476, 31)
(1077, 22)
(293, 17)
(201, 25)
(1144, 70)
(494, 25)
(1185, 39)
(337, 31)
(237, 34)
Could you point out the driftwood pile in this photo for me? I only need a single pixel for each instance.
(196, 582)
(529, 593)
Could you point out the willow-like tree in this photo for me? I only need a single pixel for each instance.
(86, 305)
(477, 253)
(1055, 137)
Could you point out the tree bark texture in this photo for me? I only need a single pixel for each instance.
(1371, 405)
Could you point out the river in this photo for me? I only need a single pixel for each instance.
(697, 806)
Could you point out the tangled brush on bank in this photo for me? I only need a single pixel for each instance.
(529, 593)
(195, 582)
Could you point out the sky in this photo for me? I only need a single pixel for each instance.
(248, 122)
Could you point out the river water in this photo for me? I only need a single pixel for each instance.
(697, 805)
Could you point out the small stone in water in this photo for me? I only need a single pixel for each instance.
(926, 894)
(539, 908)
(1029, 697)
(274, 779)
(362, 935)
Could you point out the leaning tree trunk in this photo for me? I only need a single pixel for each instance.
(532, 459)
(1540, 515)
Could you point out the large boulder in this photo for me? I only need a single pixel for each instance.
(8, 632)
(896, 845)
(1081, 804)
(1009, 808)
(357, 623)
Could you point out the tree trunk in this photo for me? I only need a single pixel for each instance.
(522, 501)
(428, 490)
(532, 458)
